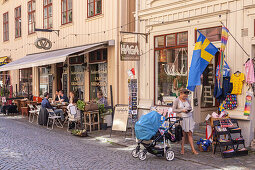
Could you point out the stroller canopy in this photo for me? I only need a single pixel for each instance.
(148, 125)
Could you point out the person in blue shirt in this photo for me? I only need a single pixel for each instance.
(46, 104)
(63, 97)
(101, 99)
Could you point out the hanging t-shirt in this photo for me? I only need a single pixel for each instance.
(249, 71)
(237, 80)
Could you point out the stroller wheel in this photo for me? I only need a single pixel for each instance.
(142, 155)
(169, 155)
(135, 153)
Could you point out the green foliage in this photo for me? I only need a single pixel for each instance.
(81, 105)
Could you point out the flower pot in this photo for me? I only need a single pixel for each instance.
(103, 126)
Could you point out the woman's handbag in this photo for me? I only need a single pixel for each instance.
(91, 106)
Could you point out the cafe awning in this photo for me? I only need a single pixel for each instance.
(51, 57)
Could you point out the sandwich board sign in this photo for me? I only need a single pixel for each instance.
(120, 118)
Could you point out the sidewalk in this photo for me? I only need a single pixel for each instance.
(204, 158)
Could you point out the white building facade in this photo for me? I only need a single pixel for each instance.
(166, 57)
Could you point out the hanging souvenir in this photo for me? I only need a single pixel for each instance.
(231, 102)
(248, 103)
(249, 71)
(237, 79)
(222, 106)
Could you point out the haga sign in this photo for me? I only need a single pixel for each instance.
(129, 51)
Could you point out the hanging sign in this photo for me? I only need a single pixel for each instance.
(43, 43)
(129, 51)
(120, 118)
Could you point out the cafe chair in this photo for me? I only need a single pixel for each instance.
(32, 113)
(38, 107)
(54, 119)
(73, 116)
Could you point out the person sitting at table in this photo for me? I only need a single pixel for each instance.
(72, 98)
(63, 97)
(46, 104)
(57, 98)
(101, 99)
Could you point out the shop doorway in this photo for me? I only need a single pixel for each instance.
(59, 76)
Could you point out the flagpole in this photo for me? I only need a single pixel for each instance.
(236, 40)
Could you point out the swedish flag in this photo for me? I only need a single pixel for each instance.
(202, 55)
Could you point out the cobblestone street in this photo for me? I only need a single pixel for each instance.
(29, 146)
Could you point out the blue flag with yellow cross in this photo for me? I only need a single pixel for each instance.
(203, 53)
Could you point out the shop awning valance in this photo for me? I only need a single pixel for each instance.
(51, 57)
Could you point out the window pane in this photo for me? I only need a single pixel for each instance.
(70, 4)
(63, 5)
(63, 18)
(44, 79)
(213, 34)
(91, 9)
(33, 5)
(170, 40)
(45, 24)
(70, 16)
(50, 1)
(29, 7)
(45, 2)
(98, 7)
(159, 42)
(50, 22)
(182, 38)
(45, 13)
(50, 11)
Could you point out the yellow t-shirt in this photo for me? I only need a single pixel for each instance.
(237, 80)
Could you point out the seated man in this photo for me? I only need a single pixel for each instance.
(46, 104)
(101, 99)
(63, 98)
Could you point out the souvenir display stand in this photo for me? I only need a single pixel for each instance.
(228, 136)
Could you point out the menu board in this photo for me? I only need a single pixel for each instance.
(65, 82)
(50, 84)
(120, 118)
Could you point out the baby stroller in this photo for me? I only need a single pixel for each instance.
(148, 128)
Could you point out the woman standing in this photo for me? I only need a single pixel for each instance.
(183, 107)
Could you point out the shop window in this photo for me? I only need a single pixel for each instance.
(98, 79)
(76, 60)
(77, 80)
(98, 56)
(212, 34)
(66, 11)
(159, 41)
(47, 14)
(25, 82)
(31, 16)
(44, 80)
(171, 66)
(17, 13)
(6, 26)
(94, 7)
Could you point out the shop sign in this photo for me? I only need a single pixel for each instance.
(129, 51)
(43, 43)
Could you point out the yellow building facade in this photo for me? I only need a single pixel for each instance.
(93, 25)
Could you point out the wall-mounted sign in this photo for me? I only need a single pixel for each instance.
(43, 43)
(65, 81)
(129, 51)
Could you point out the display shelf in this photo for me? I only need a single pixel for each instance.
(228, 154)
(229, 143)
(242, 153)
(238, 141)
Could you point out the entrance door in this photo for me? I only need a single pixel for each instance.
(59, 76)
